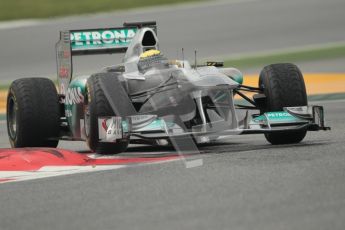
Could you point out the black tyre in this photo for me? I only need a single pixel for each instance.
(97, 106)
(33, 113)
(283, 85)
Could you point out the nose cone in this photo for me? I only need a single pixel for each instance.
(209, 77)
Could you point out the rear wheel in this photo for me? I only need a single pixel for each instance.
(97, 106)
(283, 86)
(33, 113)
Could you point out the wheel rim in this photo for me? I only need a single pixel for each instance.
(12, 118)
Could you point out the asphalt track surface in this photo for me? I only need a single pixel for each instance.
(244, 182)
(222, 28)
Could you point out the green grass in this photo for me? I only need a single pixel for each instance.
(22, 9)
(312, 54)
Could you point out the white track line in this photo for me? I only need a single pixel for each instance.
(54, 171)
(19, 24)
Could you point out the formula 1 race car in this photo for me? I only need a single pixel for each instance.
(150, 99)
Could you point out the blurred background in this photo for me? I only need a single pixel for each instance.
(247, 34)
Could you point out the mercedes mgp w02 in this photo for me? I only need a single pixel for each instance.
(151, 99)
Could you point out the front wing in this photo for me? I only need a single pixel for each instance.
(151, 127)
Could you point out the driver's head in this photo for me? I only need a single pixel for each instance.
(151, 58)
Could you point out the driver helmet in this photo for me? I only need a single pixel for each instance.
(151, 58)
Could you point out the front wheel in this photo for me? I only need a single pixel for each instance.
(283, 85)
(97, 106)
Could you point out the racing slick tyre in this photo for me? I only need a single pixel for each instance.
(97, 105)
(283, 86)
(33, 113)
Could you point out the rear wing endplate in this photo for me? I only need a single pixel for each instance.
(92, 41)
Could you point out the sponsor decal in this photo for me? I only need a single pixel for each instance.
(62, 91)
(278, 115)
(64, 54)
(102, 38)
(68, 113)
(63, 72)
(74, 96)
(110, 129)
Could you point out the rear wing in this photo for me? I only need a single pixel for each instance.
(92, 41)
